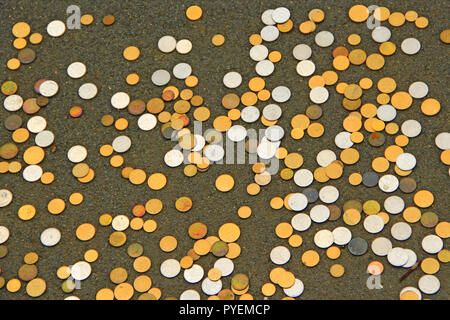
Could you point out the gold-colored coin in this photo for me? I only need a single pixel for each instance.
(310, 258)
(224, 182)
(85, 232)
(168, 243)
(229, 232)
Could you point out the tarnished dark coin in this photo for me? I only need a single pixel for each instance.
(27, 272)
(8, 151)
(370, 179)
(429, 219)
(314, 112)
(42, 101)
(136, 107)
(219, 248)
(335, 212)
(358, 246)
(353, 204)
(37, 84)
(312, 194)
(408, 185)
(240, 281)
(13, 122)
(9, 88)
(30, 106)
(376, 139)
(135, 250)
(26, 55)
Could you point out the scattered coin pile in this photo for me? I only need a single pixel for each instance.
(173, 112)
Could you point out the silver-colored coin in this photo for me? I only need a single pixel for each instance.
(394, 204)
(184, 46)
(6, 197)
(259, 52)
(147, 122)
(173, 158)
(236, 133)
(281, 15)
(182, 70)
(386, 112)
(269, 33)
(232, 79)
(121, 144)
(329, 194)
(296, 290)
(48, 88)
(274, 133)
(401, 231)
(418, 89)
(4, 234)
(13, 102)
(267, 17)
(411, 128)
(373, 223)
(36, 124)
(343, 140)
(412, 258)
(324, 39)
(167, 44)
(32, 173)
(87, 91)
(77, 154)
(442, 140)
(120, 100)
(388, 183)
(342, 236)
(225, 265)
(305, 68)
(214, 152)
(406, 161)
(429, 284)
(281, 94)
(120, 222)
(210, 287)
(410, 46)
(397, 257)
(319, 213)
(303, 178)
(325, 157)
(160, 77)
(194, 274)
(280, 255)
(264, 68)
(80, 271)
(323, 238)
(381, 34)
(432, 244)
(170, 268)
(301, 222)
(319, 95)
(44, 139)
(272, 112)
(297, 201)
(190, 294)
(267, 149)
(76, 70)
(302, 52)
(381, 246)
(50, 237)
(250, 114)
(56, 28)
